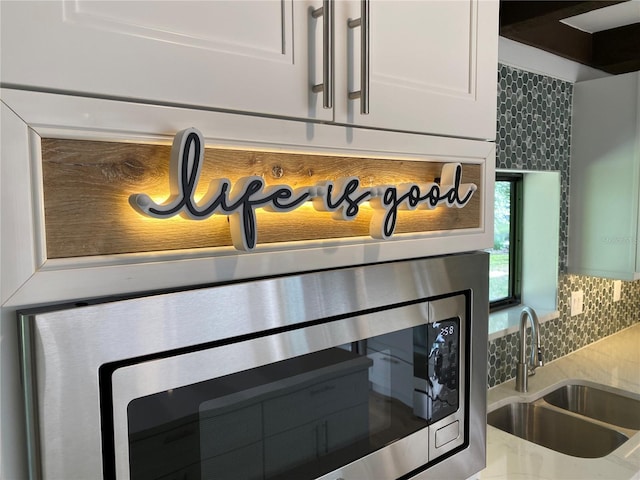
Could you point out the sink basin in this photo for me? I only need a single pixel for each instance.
(558, 431)
(598, 404)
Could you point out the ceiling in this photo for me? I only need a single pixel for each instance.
(601, 34)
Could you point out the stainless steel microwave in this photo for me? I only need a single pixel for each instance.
(375, 371)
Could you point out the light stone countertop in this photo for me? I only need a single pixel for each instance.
(613, 362)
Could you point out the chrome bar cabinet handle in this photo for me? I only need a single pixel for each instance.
(363, 23)
(326, 87)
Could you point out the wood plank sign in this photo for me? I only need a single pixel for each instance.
(107, 198)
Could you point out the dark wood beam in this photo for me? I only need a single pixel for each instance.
(537, 23)
(517, 15)
(617, 50)
(557, 38)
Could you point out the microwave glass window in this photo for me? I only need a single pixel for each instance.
(302, 417)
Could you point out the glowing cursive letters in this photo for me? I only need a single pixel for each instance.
(342, 198)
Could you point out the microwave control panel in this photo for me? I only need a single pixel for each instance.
(436, 369)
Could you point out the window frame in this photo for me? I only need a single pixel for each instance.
(515, 241)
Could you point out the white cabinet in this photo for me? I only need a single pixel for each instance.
(604, 223)
(432, 66)
(29, 277)
(230, 55)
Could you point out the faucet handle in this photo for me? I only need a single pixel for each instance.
(540, 357)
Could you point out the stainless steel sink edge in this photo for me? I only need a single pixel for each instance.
(536, 398)
(533, 396)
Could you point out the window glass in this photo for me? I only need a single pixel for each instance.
(505, 256)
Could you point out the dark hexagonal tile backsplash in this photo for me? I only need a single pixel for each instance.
(534, 133)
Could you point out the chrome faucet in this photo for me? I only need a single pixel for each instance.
(525, 369)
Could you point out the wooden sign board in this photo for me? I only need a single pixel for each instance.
(87, 186)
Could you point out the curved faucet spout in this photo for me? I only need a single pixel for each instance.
(526, 368)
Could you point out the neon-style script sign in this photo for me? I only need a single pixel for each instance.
(342, 197)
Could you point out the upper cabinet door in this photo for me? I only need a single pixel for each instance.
(432, 67)
(604, 183)
(255, 56)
